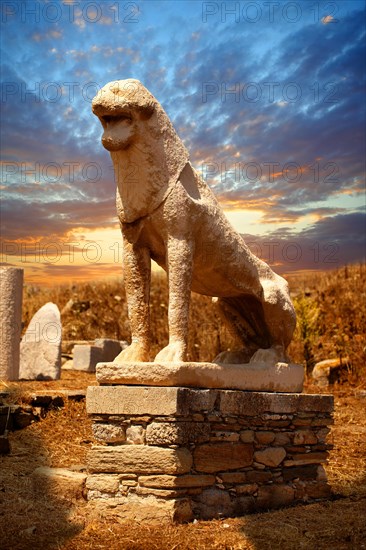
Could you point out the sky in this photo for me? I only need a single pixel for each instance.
(268, 97)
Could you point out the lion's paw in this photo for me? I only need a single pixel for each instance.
(133, 353)
(172, 353)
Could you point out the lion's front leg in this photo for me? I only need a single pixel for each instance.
(179, 267)
(137, 273)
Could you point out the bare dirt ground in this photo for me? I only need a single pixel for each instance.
(331, 324)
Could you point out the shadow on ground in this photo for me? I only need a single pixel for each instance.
(32, 514)
(330, 524)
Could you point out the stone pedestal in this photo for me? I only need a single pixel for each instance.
(179, 453)
(11, 292)
(256, 376)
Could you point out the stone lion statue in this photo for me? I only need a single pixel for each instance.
(169, 214)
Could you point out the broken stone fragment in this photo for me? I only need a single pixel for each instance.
(59, 482)
(40, 348)
(271, 456)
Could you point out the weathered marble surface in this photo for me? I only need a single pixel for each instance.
(256, 376)
(40, 348)
(169, 214)
(11, 292)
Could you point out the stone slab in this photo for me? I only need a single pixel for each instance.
(40, 348)
(139, 459)
(46, 397)
(110, 348)
(85, 358)
(59, 481)
(218, 457)
(254, 403)
(184, 481)
(165, 401)
(280, 377)
(134, 400)
(147, 509)
(106, 483)
(177, 433)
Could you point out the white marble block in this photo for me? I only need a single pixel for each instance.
(40, 348)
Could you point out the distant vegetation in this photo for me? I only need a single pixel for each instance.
(331, 312)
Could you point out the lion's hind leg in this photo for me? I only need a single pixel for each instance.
(244, 317)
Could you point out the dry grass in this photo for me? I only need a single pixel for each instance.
(330, 306)
(30, 520)
(33, 521)
(337, 301)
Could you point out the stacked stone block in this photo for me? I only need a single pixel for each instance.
(182, 453)
(87, 356)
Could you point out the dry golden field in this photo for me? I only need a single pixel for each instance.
(331, 315)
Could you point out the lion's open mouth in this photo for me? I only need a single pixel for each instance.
(114, 119)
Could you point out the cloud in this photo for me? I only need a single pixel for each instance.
(53, 34)
(22, 219)
(229, 89)
(57, 274)
(328, 19)
(329, 243)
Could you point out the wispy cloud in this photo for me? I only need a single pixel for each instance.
(272, 112)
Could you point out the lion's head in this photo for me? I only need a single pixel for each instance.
(147, 154)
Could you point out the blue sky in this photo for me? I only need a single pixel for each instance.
(268, 96)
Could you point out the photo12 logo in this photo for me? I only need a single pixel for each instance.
(269, 11)
(49, 91)
(73, 11)
(270, 92)
(283, 251)
(268, 172)
(50, 172)
(91, 252)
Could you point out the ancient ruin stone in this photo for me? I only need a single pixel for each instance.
(275, 497)
(135, 435)
(139, 459)
(40, 348)
(258, 376)
(86, 356)
(304, 437)
(109, 433)
(247, 436)
(183, 481)
(264, 438)
(103, 483)
(214, 503)
(178, 433)
(271, 456)
(217, 457)
(59, 481)
(330, 371)
(11, 292)
(208, 479)
(147, 509)
(233, 477)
